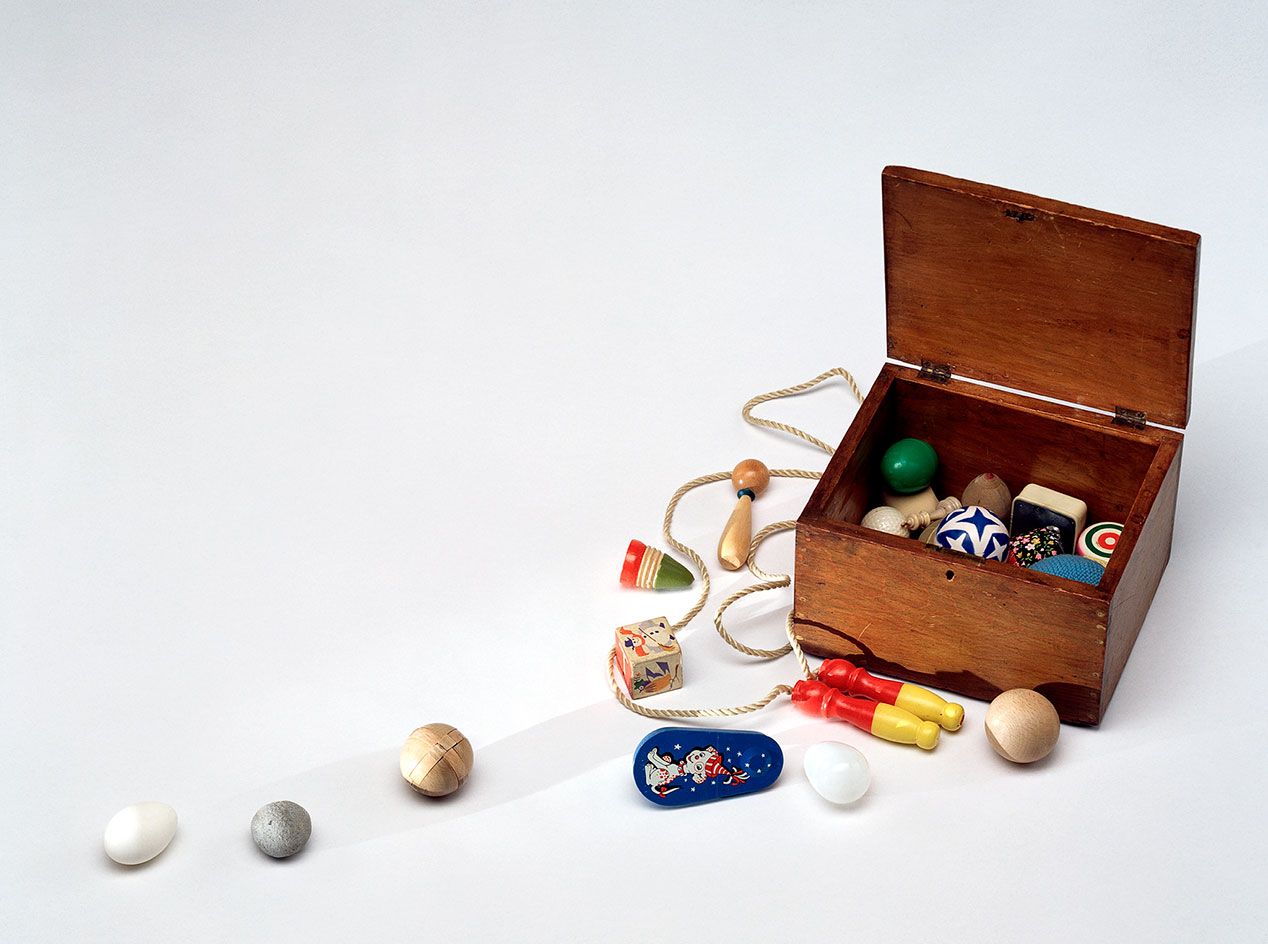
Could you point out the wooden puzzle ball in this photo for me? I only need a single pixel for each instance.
(1022, 726)
(436, 759)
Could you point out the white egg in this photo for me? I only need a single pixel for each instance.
(838, 772)
(139, 832)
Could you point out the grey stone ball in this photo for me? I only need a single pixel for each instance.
(281, 828)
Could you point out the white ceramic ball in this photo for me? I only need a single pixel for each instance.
(139, 832)
(838, 772)
(887, 519)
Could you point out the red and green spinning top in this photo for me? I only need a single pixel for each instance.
(650, 569)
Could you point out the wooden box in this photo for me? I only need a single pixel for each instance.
(1046, 299)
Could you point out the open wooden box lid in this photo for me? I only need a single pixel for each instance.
(1041, 296)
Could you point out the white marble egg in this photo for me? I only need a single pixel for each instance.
(139, 832)
(838, 772)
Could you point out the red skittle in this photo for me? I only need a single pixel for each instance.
(847, 677)
(883, 720)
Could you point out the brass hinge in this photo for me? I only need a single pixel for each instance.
(1133, 418)
(931, 371)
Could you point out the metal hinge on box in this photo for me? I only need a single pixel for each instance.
(1133, 418)
(931, 371)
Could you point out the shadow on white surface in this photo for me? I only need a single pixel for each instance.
(373, 800)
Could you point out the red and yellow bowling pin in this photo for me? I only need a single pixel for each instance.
(849, 678)
(877, 718)
(749, 479)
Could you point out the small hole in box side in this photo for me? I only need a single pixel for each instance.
(950, 574)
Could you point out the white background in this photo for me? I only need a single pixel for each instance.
(343, 347)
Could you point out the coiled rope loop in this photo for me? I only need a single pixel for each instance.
(767, 581)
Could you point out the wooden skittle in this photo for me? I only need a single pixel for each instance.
(845, 676)
(884, 721)
(749, 479)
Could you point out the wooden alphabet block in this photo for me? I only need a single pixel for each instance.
(648, 657)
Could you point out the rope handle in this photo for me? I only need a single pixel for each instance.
(747, 410)
(768, 581)
(761, 703)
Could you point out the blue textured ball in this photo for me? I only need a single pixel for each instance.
(1071, 567)
(974, 530)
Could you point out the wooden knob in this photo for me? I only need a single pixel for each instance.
(737, 535)
(751, 474)
(436, 759)
(749, 479)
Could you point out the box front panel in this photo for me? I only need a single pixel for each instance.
(947, 621)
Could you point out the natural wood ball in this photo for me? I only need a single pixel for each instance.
(751, 474)
(1022, 726)
(436, 759)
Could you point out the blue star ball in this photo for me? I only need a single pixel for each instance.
(974, 530)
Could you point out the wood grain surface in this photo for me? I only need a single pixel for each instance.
(964, 624)
(1151, 525)
(1038, 295)
(903, 609)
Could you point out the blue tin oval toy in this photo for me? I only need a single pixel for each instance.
(686, 766)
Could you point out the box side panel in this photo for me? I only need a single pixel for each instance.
(843, 489)
(1140, 578)
(965, 629)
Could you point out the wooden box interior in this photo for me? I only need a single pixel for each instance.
(960, 623)
(1105, 465)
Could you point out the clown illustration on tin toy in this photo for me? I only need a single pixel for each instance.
(686, 766)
